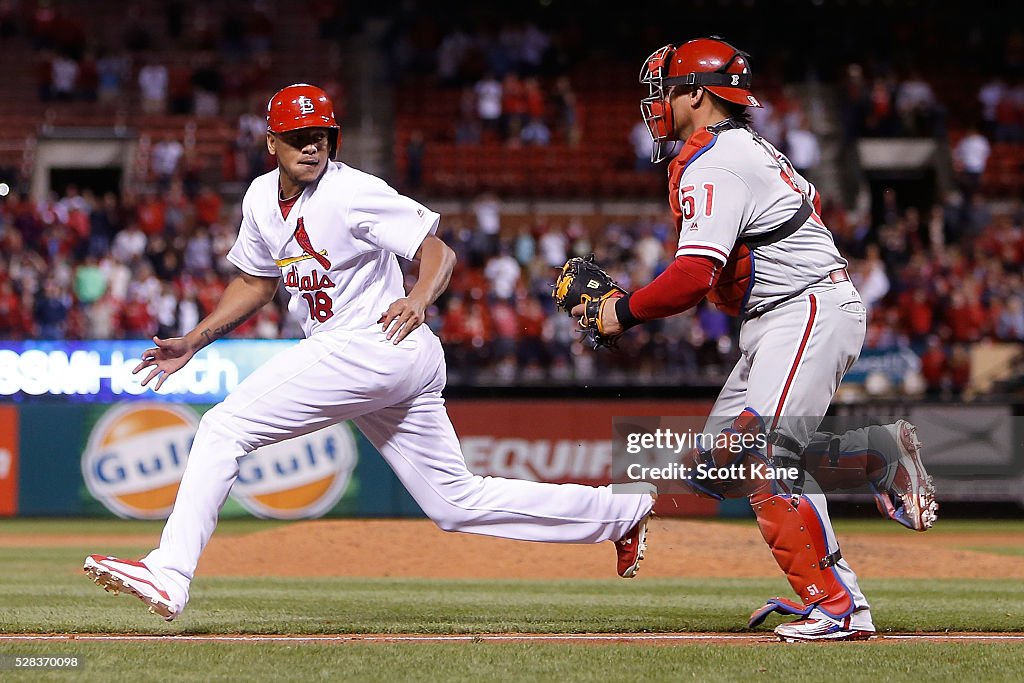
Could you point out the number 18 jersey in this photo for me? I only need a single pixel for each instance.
(336, 250)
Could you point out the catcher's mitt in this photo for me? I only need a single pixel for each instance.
(581, 281)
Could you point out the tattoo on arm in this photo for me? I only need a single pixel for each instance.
(210, 337)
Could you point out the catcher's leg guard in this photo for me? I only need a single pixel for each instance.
(740, 444)
(883, 459)
(798, 539)
(845, 462)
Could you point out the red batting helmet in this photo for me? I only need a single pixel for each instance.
(709, 63)
(303, 106)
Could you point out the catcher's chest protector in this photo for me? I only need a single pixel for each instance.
(733, 284)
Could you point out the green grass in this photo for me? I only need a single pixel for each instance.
(476, 662)
(112, 526)
(44, 590)
(942, 527)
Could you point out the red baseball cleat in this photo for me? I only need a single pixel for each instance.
(630, 549)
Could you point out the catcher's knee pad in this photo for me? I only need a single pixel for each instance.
(850, 461)
(741, 446)
(796, 534)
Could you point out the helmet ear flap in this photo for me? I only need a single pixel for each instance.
(334, 142)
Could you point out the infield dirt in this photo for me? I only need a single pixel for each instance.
(676, 548)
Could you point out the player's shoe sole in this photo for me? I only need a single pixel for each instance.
(818, 630)
(910, 499)
(117, 576)
(630, 549)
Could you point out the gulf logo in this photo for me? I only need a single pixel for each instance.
(135, 457)
(301, 478)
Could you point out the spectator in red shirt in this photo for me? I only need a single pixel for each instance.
(933, 366)
(535, 100)
(137, 320)
(918, 316)
(966, 318)
(960, 369)
(14, 323)
(453, 328)
(208, 206)
(514, 105)
(151, 213)
(530, 350)
(209, 292)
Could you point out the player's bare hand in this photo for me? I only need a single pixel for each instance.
(401, 318)
(164, 359)
(610, 325)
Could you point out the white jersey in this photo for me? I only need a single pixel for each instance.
(336, 250)
(734, 185)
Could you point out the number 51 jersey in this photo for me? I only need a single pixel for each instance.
(730, 186)
(336, 251)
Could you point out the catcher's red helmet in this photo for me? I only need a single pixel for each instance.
(709, 63)
(303, 106)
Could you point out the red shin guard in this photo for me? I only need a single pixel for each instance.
(797, 539)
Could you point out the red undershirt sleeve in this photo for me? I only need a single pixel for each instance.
(682, 285)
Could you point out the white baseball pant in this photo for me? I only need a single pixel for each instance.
(393, 395)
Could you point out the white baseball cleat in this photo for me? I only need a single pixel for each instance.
(115, 576)
(910, 498)
(812, 630)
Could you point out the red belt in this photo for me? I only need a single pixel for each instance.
(839, 275)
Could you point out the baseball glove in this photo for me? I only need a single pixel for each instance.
(581, 281)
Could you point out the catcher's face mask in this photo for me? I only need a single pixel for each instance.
(655, 108)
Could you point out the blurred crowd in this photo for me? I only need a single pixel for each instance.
(151, 260)
(81, 266)
(192, 58)
(938, 282)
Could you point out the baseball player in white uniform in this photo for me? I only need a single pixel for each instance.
(334, 234)
(751, 240)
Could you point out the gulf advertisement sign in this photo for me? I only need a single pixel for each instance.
(136, 454)
(300, 478)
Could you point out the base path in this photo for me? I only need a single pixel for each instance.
(581, 638)
(676, 548)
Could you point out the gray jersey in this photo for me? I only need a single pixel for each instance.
(738, 185)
